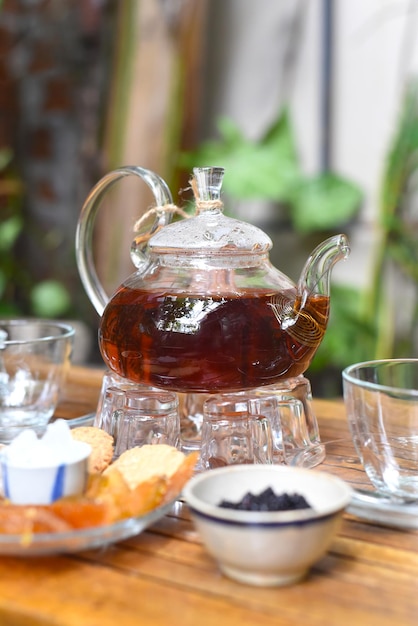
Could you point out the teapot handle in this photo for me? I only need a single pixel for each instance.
(85, 226)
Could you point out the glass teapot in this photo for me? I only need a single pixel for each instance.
(205, 310)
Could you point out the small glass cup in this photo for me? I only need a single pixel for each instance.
(191, 419)
(136, 414)
(34, 357)
(288, 406)
(381, 400)
(231, 435)
(113, 388)
(295, 427)
(293, 441)
(147, 417)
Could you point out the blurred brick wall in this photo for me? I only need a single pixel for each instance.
(54, 67)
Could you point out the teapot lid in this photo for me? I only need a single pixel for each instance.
(209, 230)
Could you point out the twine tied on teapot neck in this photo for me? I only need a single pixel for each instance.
(203, 205)
(200, 205)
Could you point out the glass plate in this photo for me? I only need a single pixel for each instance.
(341, 460)
(373, 507)
(83, 420)
(83, 539)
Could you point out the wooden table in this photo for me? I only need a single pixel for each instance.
(164, 576)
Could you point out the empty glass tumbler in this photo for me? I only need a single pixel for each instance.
(231, 435)
(34, 357)
(294, 434)
(136, 414)
(381, 400)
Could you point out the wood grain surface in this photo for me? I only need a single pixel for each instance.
(164, 576)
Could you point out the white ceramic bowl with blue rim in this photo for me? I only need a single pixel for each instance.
(266, 548)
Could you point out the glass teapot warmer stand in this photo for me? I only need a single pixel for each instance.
(295, 433)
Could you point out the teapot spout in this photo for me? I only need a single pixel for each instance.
(316, 275)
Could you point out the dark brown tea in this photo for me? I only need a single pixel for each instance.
(210, 343)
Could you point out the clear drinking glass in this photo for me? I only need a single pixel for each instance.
(136, 414)
(381, 399)
(295, 428)
(111, 398)
(232, 435)
(34, 357)
(191, 419)
(147, 417)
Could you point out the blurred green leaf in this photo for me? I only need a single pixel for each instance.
(267, 169)
(9, 309)
(6, 155)
(403, 252)
(401, 161)
(3, 282)
(349, 337)
(397, 250)
(50, 299)
(10, 230)
(324, 203)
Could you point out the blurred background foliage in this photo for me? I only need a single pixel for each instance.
(269, 169)
(113, 118)
(381, 321)
(322, 204)
(365, 323)
(20, 294)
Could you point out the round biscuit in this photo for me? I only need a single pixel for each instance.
(102, 446)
